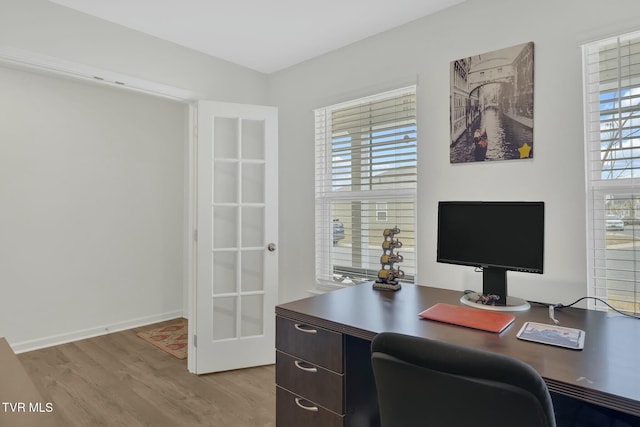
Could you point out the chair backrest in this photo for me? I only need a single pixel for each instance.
(423, 382)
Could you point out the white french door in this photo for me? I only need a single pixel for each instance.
(237, 230)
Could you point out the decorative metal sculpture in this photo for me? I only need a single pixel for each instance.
(389, 273)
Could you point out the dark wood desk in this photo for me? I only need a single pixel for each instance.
(606, 372)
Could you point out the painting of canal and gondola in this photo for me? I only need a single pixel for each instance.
(492, 106)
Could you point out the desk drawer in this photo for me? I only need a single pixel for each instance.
(295, 411)
(316, 345)
(315, 383)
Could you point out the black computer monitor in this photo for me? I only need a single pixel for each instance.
(496, 237)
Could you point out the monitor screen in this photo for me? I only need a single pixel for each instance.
(494, 236)
(509, 235)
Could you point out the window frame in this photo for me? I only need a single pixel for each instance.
(602, 262)
(325, 195)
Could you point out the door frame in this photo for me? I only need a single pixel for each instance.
(191, 238)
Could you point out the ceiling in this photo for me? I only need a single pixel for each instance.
(264, 35)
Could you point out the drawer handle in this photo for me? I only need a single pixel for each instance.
(304, 368)
(305, 328)
(306, 408)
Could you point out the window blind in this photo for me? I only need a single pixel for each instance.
(366, 153)
(612, 121)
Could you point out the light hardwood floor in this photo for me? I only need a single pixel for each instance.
(120, 380)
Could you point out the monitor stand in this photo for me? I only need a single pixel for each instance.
(513, 303)
(494, 283)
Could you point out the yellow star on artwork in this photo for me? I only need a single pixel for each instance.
(524, 150)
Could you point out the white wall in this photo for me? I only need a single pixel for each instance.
(421, 52)
(92, 193)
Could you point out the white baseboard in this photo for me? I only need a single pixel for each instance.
(36, 344)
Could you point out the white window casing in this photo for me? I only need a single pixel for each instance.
(612, 137)
(366, 175)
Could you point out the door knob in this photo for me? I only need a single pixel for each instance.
(271, 247)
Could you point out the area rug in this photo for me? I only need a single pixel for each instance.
(171, 338)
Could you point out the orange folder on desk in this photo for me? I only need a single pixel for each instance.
(470, 317)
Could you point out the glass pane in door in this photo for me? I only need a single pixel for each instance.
(252, 226)
(253, 183)
(252, 270)
(253, 139)
(225, 220)
(225, 182)
(225, 135)
(225, 272)
(252, 315)
(224, 318)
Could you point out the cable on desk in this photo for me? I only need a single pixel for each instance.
(553, 307)
(552, 313)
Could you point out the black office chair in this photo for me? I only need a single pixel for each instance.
(426, 383)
